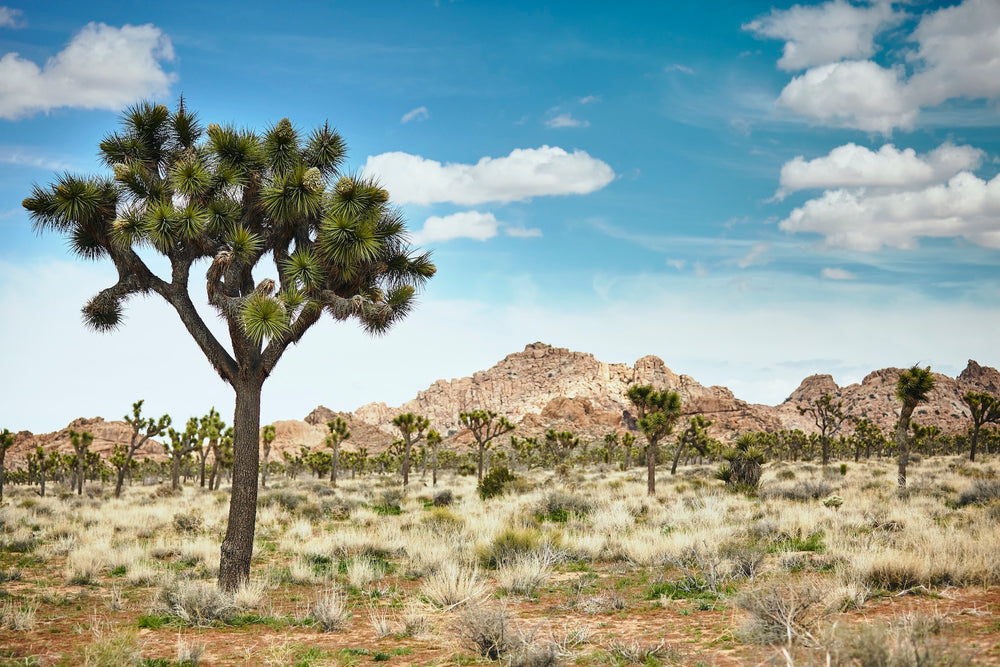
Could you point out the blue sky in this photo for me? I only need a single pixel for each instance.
(754, 192)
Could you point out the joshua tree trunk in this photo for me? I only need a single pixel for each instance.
(237, 547)
(333, 464)
(903, 442)
(651, 469)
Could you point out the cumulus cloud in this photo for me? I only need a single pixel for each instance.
(420, 113)
(857, 93)
(837, 274)
(566, 120)
(956, 55)
(525, 173)
(826, 33)
(965, 206)
(102, 67)
(851, 165)
(469, 225)
(463, 225)
(10, 18)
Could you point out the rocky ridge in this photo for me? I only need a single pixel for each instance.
(548, 387)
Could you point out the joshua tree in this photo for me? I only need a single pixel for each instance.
(319, 462)
(142, 430)
(209, 427)
(913, 387)
(338, 433)
(658, 412)
(6, 442)
(828, 416)
(412, 428)
(219, 439)
(560, 444)
(985, 409)
(484, 425)
(433, 442)
(744, 464)
(181, 444)
(267, 436)
(294, 462)
(695, 435)
(868, 435)
(81, 444)
(627, 441)
(611, 442)
(237, 198)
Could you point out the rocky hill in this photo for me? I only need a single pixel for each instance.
(545, 387)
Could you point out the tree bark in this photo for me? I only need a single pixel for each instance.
(333, 463)
(975, 441)
(237, 547)
(651, 469)
(482, 451)
(903, 443)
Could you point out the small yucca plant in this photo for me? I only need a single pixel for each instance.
(744, 465)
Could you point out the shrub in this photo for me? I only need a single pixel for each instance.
(487, 630)
(443, 498)
(782, 612)
(17, 617)
(197, 603)
(494, 481)
(453, 585)
(559, 506)
(508, 545)
(118, 649)
(330, 611)
(187, 522)
(980, 492)
(525, 573)
(913, 640)
(802, 491)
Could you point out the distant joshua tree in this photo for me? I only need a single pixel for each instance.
(181, 444)
(695, 435)
(985, 409)
(913, 387)
(338, 433)
(412, 428)
(485, 425)
(6, 442)
(658, 412)
(267, 436)
(142, 430)
(81, 445)
(433, 442)
(828, 417)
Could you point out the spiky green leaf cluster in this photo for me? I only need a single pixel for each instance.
(235, 197)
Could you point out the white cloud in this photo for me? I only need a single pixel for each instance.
(837, 274)
(469, 225)
(525, 173)
(10, 18)
(858, 94)
(566, 120)
(522, 232)
(957, 55)
(851, 165)
(420, 113)
(28, 158)
(821, 34)
(102, 67)
(463, 225)
(678, 264)
(965, 206)
(755, 257)
(676, 67)
(590, 99)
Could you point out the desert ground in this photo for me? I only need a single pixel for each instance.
(826, 565)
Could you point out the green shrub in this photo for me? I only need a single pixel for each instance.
(494, 481)
(509, 544)
(559, 506)
(443, 498)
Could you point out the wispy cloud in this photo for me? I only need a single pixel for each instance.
(590, 99)
(26, 158)
(566, 120)
(677, 67)
(755, 257)
(837, 274)
(10, 18)
(418, 114)
(102, 67)
(522, 232)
